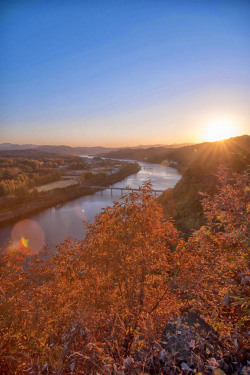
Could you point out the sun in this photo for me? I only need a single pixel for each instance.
(219, 129)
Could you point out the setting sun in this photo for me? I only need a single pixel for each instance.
(219, 129)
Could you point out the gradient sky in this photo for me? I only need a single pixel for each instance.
(118, 73)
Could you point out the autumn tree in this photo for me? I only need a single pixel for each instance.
(214, 278)
(109, 283)
(126, 253)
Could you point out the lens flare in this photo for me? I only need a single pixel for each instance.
(80, 212)
(25, 241)
(27, 234)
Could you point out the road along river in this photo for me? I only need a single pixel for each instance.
(54, 224)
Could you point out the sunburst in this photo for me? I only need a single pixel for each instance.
(219, 129)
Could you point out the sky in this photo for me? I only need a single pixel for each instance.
(123, 72)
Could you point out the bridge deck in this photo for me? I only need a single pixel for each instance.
(121, 188)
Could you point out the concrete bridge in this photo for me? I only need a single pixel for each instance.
(126, 189)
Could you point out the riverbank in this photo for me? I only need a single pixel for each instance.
(59, 196)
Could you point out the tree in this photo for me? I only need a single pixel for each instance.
(214, 278)
(86, 176)
(126, 252)
(110, 283)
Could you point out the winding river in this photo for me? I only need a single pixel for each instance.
(54, 224)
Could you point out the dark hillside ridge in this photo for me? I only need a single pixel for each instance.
(37, 153)
(233, 150)
(151, 155)
(62, 149)
(183, 203)
(236, 148)
(67, 150)
(15, 146)
(27, 153)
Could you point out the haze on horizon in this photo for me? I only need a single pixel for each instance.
(121, 73)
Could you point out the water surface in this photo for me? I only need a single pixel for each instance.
(66, 220)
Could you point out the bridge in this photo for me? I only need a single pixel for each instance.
(126, 189)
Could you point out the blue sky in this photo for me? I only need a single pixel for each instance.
(119, 73)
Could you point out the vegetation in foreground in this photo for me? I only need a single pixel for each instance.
(99, 306)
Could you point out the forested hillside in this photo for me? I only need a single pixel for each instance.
(151, 154)
(17, 176)
(183, 203)
(23, 169)
(236, 149)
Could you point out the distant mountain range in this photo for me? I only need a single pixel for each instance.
(14, 146)
(173, 145)
(62, 149)
(68, 150)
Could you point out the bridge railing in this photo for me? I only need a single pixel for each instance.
(121, 189)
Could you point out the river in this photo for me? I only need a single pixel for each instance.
(54, 224)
